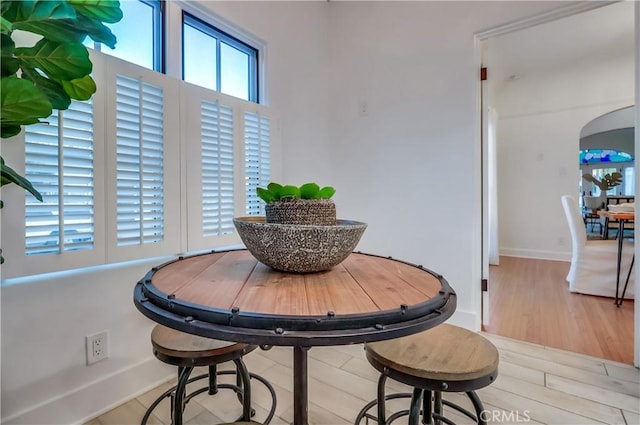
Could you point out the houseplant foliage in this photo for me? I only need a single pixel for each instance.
(608, 181)
(37, 79)
(306, 205)
(276, 192)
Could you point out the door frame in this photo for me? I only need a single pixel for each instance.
(480, 224)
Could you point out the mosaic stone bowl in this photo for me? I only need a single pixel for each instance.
(299, 248)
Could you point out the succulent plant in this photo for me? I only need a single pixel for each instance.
(276, 192)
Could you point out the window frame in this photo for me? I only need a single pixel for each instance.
(159, 35)
(223, 37)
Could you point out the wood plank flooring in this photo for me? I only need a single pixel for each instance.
(529, 300)
(536, 385)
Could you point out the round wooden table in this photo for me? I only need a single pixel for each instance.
(231, 296)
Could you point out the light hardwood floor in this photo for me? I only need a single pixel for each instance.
(536, 385)
(529, 300)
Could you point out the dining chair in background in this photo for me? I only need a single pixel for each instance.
(594, 262)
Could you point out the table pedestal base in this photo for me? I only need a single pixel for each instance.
(300, 386)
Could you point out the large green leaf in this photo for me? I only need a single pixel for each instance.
(57, 60)
(97, 31)
(327, 192)
(265, 195)
(39, 10)
(80, 88)
(9, 130)
(101, 10)
(8, 175)
(8, 64)
(9, 10)
(289, 191)
(5, 25)
(59, 30)
(66, 30)
(53, 90)
(310, 191)
(21, 102)
(276, 189)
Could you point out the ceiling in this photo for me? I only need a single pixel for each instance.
(600, 34)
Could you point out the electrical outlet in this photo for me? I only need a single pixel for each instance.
(97, 347)
(363, 108)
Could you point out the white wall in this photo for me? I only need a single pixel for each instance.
(407, 168)
(541, 117)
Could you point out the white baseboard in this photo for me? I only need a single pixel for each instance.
(89, 401)
(536, 254)
(466, 319)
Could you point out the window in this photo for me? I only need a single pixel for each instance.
(59, 163)
(139, 34)
(597, 156)
(218, 61)
(217, 171)
(257, 163)
(139, 147)
(151, 166)
(629, 181)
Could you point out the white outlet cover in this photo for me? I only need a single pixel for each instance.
(97, 347)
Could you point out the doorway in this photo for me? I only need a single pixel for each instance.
(539, 81)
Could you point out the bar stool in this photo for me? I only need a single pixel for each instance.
(446, 358)
(188, 351)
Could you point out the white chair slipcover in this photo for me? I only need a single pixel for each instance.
(594, 262)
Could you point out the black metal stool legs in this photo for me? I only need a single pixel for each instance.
(382, 414)
(179, 397)
(425, 404)
(477, 405)
(414, 410)
(427, 407)
(243, 381)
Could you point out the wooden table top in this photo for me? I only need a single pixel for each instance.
(233, 289)
(622, 215)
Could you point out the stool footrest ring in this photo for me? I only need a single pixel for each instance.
(237, 389)
(363, 414)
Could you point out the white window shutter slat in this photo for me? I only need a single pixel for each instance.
(257, 134)
(217, 169)
(59, 163)
(139, 158)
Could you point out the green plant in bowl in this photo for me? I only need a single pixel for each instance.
(276, 192)
(304, 205)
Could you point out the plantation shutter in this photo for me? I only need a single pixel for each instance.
(257, 162)
(217, 168)
(59, 163)
(139, 157)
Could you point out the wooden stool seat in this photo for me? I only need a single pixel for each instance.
(188, 351)
(183, 349)
(445, 353)
(446, 358)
